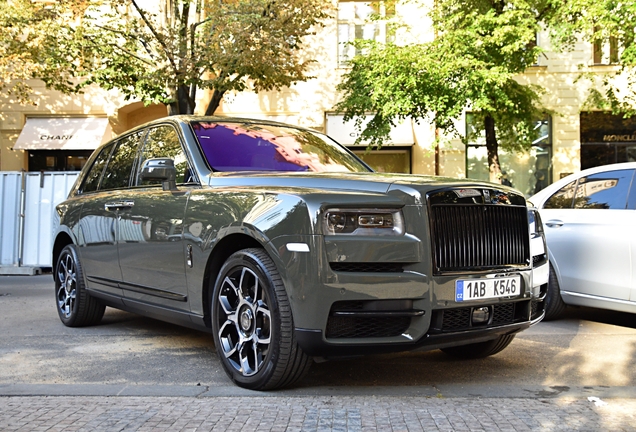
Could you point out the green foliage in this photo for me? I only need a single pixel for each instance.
(603, 22)
(168, 51)
(472, 63)
(27, 45)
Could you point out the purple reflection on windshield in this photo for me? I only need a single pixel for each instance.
(235, 147)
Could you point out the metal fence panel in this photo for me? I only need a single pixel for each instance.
(10, 194)
(43, 191)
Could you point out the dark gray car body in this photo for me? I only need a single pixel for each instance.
(158, 252)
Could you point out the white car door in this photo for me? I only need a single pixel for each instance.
(593, 242)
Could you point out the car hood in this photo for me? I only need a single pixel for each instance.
(370, 182)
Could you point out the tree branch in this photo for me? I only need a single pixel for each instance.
(156, 35)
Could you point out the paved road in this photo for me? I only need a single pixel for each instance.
(134, 373)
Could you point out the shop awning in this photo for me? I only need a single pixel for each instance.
(63, 133)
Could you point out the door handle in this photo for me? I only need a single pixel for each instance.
(121, 205)
(554, 223)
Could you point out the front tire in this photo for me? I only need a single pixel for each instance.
(253, 326)
(75, 306)
(480, 349)
(554, 305)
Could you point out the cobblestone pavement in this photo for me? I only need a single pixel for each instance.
(357, 413)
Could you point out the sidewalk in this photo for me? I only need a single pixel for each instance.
(313, 413)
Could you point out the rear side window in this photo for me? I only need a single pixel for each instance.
(120, 165)
(164, 142)
(91, 181)
(607, 190)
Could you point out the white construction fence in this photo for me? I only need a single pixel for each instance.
(27, 210)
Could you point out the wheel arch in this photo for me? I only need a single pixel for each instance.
(221, 252)
(63, 239)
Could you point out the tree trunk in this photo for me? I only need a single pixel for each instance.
(183, 103)
(215, 101)
(493, 148)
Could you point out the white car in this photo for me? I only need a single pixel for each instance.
(539, 252)
(590, 228)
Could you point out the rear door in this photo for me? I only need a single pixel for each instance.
(98, 225)
(591, 234)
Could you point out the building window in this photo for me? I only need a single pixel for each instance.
(359, 20)
(606, 51)
(387, 160)
(528, 172)
(606, 138)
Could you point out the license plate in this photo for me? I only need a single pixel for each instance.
(477, 289)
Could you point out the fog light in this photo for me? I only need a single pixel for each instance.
(481, 315)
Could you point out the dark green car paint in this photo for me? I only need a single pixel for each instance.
(168, 270)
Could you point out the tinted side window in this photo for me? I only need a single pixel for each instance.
(120, 165)
(163, 142)
(95, 173)
(606, 190)
(562, 198)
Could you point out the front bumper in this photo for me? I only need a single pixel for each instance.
(449, 327)
(313, 343)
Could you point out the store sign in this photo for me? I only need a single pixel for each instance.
(55, 137)
(620, 137)
(603, 128)
(63, 133)
(346, 133)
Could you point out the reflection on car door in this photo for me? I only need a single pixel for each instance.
(591, 235)
(151, 250)
(98, 231)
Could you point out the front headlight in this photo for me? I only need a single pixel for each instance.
(377, 222)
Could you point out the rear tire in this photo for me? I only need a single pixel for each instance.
(481, 349)
(75, 306)
(554, 305)
(252, 324)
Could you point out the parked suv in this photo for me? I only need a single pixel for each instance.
(286, 246)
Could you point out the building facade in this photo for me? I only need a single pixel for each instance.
(60, 131)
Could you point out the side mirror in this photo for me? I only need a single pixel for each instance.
(160, 169)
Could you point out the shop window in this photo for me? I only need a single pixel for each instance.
(395, 160)
(606, 139)
(528, 171)
(359, 20)
(58, 160)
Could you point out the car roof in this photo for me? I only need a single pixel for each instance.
(540, 197)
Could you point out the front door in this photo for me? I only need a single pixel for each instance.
(151, 247)
(592, 239)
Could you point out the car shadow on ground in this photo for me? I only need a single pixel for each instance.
(602, 316)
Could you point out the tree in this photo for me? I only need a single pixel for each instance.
(603, 23)
(480, 47)
(167, 52)
(27, 45)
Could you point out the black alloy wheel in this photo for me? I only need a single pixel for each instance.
(253, 325)
(75, 306)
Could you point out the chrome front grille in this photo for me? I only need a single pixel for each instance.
(479, 236)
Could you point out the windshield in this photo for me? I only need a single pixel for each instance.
(234, 146)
